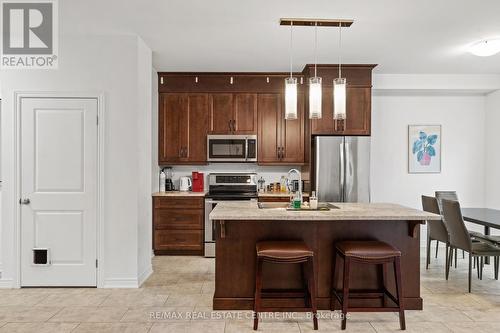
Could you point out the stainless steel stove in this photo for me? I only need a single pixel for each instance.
(225, 187)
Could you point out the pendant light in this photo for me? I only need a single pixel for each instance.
(315, 83)
(339, 92)
(291, 87)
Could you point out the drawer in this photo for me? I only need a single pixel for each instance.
(178, 219)
(179, 202)
(178, 239)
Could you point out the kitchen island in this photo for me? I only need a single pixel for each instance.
(240, 225)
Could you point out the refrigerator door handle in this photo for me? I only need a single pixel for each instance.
(342, 172)
(349, 171)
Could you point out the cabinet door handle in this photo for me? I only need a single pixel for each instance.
(282, 152)
(234, 125)
(185, 152)
(229, 124)
(180, 152)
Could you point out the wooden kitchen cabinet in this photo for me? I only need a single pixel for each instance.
(245, 113)
(233, 113)
(358, 107)
(280, 141)
(221, 113)
(183, 126)
(178, 225)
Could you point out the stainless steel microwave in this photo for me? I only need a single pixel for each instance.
(232, 148)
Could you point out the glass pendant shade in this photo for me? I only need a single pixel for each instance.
(291, 98)
(339, 98)
(315, 98)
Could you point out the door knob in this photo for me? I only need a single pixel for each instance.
(24, 201)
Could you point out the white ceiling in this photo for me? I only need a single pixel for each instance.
(402, 36)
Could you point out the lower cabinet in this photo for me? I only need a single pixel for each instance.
(178, 225)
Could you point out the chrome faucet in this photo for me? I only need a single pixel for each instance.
(300, 181)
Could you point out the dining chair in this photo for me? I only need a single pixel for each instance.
(461, 239)
(452, 195)
(436, 230)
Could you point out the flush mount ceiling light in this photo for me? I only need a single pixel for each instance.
(485, 48)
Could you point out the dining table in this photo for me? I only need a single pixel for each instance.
(486, 217)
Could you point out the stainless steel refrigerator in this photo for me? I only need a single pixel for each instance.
(341, 168)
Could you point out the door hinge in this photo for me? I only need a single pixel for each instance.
(96, 263)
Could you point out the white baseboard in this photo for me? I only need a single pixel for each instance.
(6, 283)
(145, 275)
(121, 283)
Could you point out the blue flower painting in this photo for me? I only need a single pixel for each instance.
(424, 148)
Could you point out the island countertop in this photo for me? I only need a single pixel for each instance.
(247, 211)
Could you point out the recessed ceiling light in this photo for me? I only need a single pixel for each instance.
(485, 48)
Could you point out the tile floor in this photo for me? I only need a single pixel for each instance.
(184, 285)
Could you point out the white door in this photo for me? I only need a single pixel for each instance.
(58, 191)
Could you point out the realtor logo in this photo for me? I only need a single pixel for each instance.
(29, 34)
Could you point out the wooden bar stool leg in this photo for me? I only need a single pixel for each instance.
(384, 283)
(311, 285)
(258, 289)
(305, 283)
(333, 283)
(399, 291)
(345, 294)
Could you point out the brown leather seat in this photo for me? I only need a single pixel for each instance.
(282, 253)
(367, 249)
(283, 250)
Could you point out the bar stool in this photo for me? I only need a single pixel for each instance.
(368, 252)
(286, 252)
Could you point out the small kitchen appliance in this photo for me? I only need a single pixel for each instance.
(185, 184)
(198, 181)
(166, 180)
(232, 148)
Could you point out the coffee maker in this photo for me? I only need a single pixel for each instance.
(169, 185)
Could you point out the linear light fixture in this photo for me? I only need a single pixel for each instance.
(315, 89)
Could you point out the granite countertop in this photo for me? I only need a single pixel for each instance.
(347, 211)
(278, 194)
(179, 194)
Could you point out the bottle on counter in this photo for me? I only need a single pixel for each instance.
(313, 201)
(163, 178)
(262, 185)
(283, 184)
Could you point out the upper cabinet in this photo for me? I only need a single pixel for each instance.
(194, 105)
(280, 141)
(221, 113)
(183, 126)
(233, 113)
(358, 103)
(245, 114)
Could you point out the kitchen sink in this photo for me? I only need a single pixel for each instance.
(273, 205)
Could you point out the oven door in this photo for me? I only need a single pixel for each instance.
(209, 229)
(227, 148)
